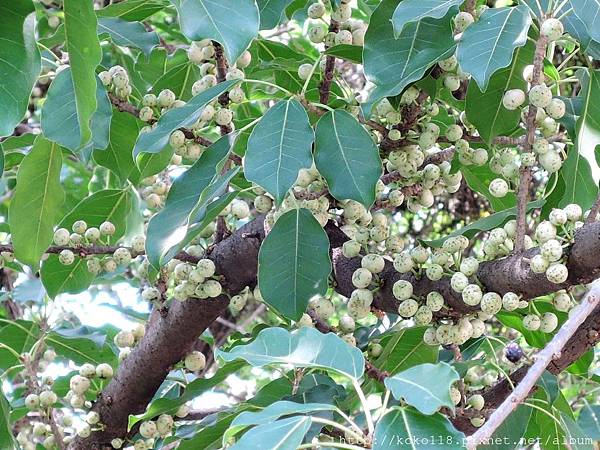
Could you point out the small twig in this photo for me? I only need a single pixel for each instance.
(375, 373)
(325, 87)
(526, 175)
(549, 353)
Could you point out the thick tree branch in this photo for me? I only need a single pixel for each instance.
(169, 336)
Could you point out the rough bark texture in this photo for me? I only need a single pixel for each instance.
(169, 336)
(172, 334)
(510, 274)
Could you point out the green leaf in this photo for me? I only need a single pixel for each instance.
(488, 44)
(479, 178)
(7, 440)
(20, 61)
(406, 429)
(152, 163)
(110, 205)
(233, 25)
(271, 12)
(578, 177)
(37, 201)
(157, 139)
(84, 55)
(169, 226)
(279, 146)
(273, 412)
(133, 10)
(81, 347)
(305, 347)
(352, 53)
(128, 34)
(194, 389)
(485, 109)
(392, 64)
(574, 435)
(347, 157)
(60, 114)
(404, 349)
(586, 140)
(58, 278)
(589, 420)
(294, 263)
(414, 10)
(588, 11)
(426, 386)
(284, 434)
(117, 156)
(510, 432)
(549, 383)
(179, 79)
(18, 335)
(487, 223)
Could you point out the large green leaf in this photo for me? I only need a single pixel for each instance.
(271, 12)
(305, 347)
(273, 412)
(7, 440)
(414, 10)
(110, 205)
(586, 140)
(284, 434)
(133, 10)
(192, 390)
(279, 146)
(18, 335)
(510, 432)
(60, 114)
(426, 386)
(589, 420)
(404, 349)
(19, 61)
(179, 79)
(588, 11)
(578, 177)
(485, 109)
(294, 263)
(392, 64)
(84, 56)
(488, 44)
(234, 25)
(128, 34)
(157, 139)
(36, 204)
(58, 278)
(81, 346)
(347, 157)
(117, 156)
(169, 226)
(404, 428)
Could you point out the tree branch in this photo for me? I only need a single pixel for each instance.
(169, 337)
(526, 175)
(552, 351)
